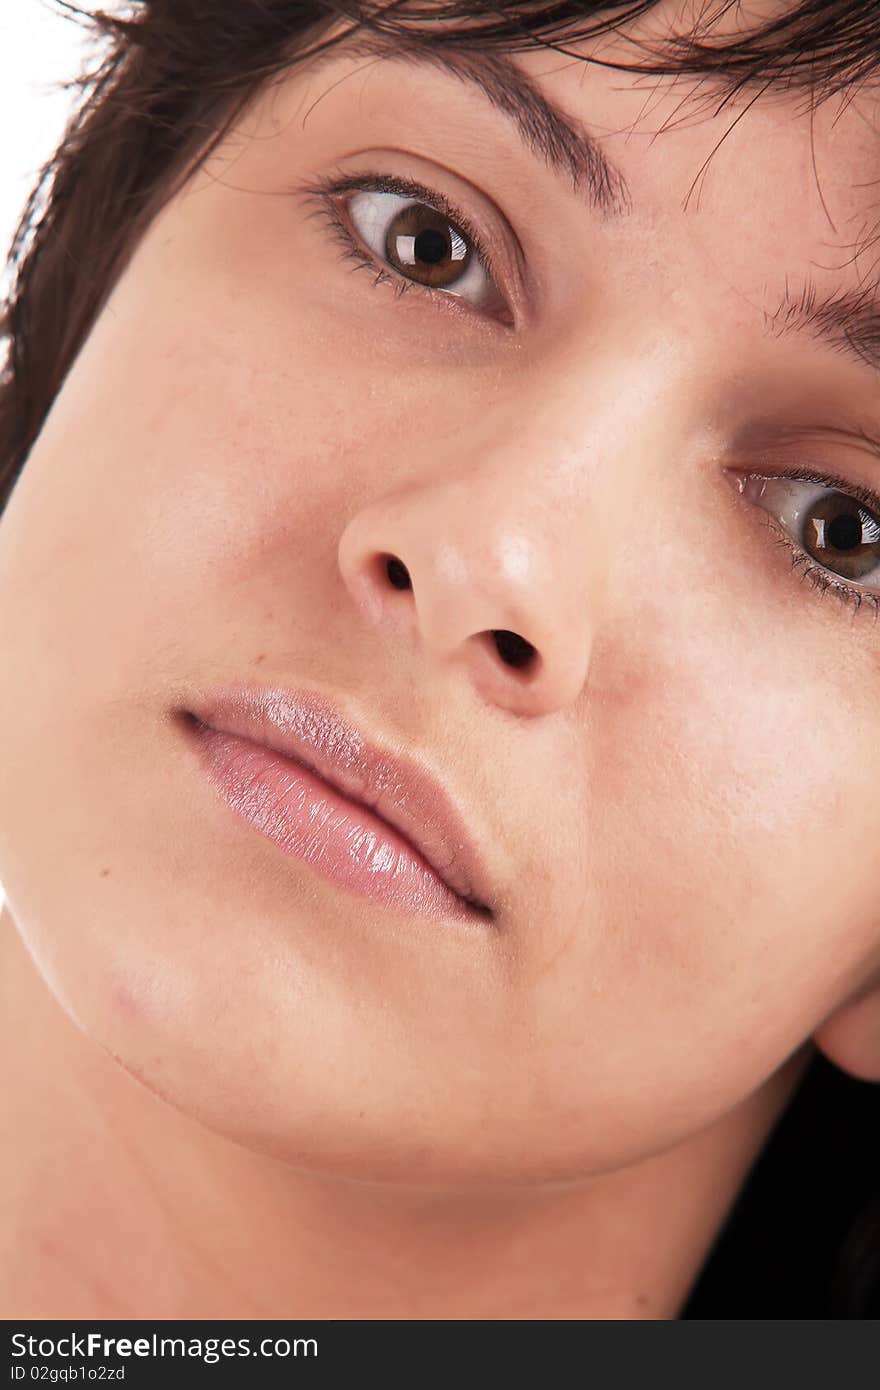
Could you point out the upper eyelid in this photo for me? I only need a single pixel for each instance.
(491, 218)
(373, 180)
(831, 482)
(804, 473)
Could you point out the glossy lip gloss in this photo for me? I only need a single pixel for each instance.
(321, 819)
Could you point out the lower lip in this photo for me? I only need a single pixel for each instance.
(340, 840)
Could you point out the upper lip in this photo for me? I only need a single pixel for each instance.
(306, 727)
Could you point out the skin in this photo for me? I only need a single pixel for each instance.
(238, 1090)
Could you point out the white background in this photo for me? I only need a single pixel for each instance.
(38, 46)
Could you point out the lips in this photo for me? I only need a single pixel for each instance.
(308, 730)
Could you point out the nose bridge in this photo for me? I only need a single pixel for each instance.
(493, 550)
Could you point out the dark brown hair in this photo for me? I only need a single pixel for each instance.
(169, 81)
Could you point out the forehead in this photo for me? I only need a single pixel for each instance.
(762, 176)
(649, 122)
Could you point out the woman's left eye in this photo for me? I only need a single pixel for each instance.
(836, 533)
(416, 241)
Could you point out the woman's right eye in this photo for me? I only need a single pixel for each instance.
(424, 243)
(418, 242)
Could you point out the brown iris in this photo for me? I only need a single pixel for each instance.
(423, 244)
(843, 535)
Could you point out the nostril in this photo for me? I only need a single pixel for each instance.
(513, 650)
(397, 572)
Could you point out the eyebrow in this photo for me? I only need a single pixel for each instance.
(849, 320)
(557, 138)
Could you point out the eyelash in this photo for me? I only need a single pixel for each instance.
(327, 189)
(331, 187)
(821, 579)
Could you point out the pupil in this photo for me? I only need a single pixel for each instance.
(845, 532)
(431, 246)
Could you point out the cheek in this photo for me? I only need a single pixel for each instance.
(752, 791)
(722, 905)
(213, 484)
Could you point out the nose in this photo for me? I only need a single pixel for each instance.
(482, 565)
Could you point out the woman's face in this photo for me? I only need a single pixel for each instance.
(676, 808)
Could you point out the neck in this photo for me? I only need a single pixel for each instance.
(117, 1205)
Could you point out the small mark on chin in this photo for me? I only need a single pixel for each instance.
(261, 657)
(124, 1000)
(104, 873)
